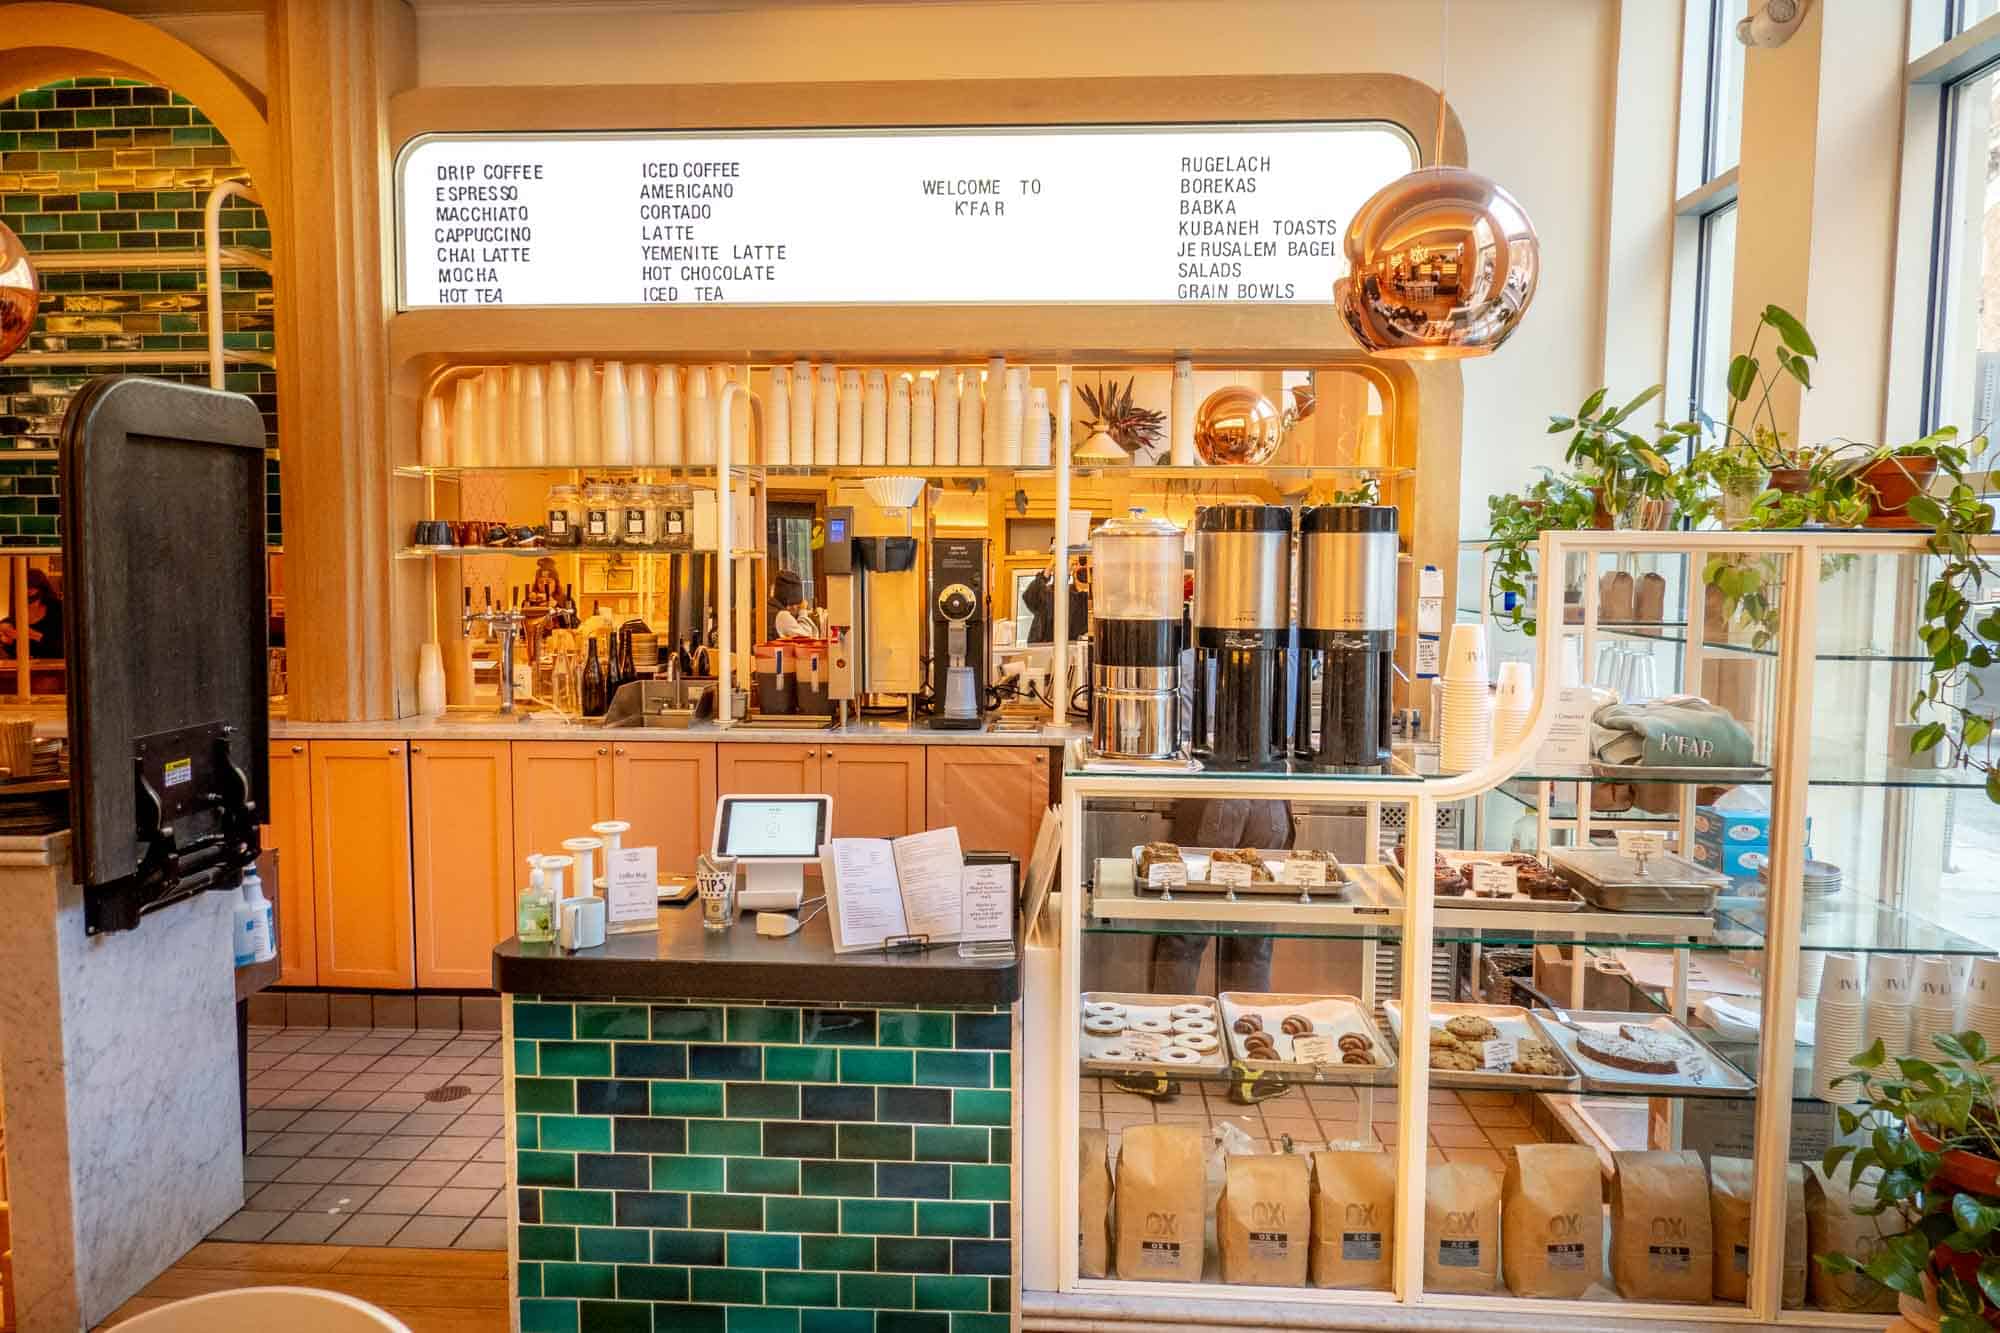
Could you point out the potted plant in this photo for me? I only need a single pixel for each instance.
(1631, 474)
(1551, 503)
(1931, 1156)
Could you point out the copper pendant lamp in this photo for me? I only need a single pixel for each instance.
(19, 293)
(1442, 263)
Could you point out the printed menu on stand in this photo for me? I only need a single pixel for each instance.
(1193, 213)
(879, 889)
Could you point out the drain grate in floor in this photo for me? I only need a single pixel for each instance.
(450, 1092)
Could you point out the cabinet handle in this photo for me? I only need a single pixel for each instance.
(416, 749)
(395, 749)
(298, 749)
(619, 750)
(602, 750)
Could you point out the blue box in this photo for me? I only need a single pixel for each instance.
(1736, 828)
(1729, 861)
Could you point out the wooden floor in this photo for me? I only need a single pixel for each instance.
(433, 1291)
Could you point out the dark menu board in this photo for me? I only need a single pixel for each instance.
(1193, 213)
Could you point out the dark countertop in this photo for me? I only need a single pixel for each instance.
(685, 961)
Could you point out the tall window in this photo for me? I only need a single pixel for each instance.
(1963, 357)
(1713, 288)
(1722, 86)
(1705, 233)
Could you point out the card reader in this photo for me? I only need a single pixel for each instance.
(772, 837)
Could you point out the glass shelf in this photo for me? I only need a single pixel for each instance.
(1467, 926)
(1349, 1076)
(1847, 922)
(627, 552)
(1565, 811)
(451, 470)
(1875, 773)
(1402, 769)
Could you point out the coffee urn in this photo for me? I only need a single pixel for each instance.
(1135, 638)
(1242, 624)
(1347, 635)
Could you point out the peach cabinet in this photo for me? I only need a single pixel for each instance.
(362, 913)
(747, 767)
(877, 790)
(288, 828)
(462, 856)
(561, 788)
(666, 790)
(995, 794)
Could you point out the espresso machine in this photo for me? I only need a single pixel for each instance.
(1242, 628)
(1347, 635)
(959, 666)
(1136, 604)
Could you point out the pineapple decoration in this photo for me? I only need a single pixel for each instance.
(1118, 427)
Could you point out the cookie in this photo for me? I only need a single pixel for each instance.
(1462, 1060)
(1471, 1027)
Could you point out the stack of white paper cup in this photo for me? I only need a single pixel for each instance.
(1513, 701)
(1889, 1009)
(1465, 722)
(1838, 1026)
(1812, 967)
(1982, 1000)
(1934, 1012)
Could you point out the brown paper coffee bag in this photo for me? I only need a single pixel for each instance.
(1263, 1223)
(1731, 1185)
(1662, 1234)
(1160, 1216)
(1093, 1205)
(1353, 1219)
(1461, 1228)
(1552, 1220)
(1833, 1228)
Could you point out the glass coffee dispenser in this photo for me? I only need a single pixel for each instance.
(1347, 635)
(1135, 630)
(1242, 621)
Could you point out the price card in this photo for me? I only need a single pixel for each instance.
(1500, 1053)
(1309, 873)
(632, 890)
(1429, 651)
(1639, 842)
(1232, 873)
(1490, 879)
(1315, 1050)
(987, 912)
(1167, 875)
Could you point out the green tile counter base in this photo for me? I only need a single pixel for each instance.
(734, 1167)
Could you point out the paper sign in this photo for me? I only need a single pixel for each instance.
(1500, 1053)
(1430, 615)
(1232, 873)
(1493, 880)
(1430, 581)
(1167, 875)
(988, 912)
(1567, 743)
(1312, 873)
(632, 889)
(1639, 842)
(1315, 1051)
(1428, 653)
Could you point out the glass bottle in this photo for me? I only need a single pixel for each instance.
(594, 699)
(600, 514)
(628, 670)
(639, 521)
(565, 514)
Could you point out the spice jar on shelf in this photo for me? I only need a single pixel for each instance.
(565, 514)
(600, 514)
(674, 524)
(639, 516)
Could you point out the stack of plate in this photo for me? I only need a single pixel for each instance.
(1889, 1009)
(1982, 1000)
(1821, 879)
(645, 653)
(1465, 710)
(1935, 1012)
(1837, 1027)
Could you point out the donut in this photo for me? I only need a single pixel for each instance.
(1178, 1055)
(1201, 1042)
(1298, 1025)
(1188, 1011)
(1117, 1050)
(1194, 1025)
(1150, 1025)
(1111, 1007)
(1247, 1024)
(1103, 1025)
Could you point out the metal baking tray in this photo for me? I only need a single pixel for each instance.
(1512, 1021)
(1611, 881)
(1520, 902)
(1332, 1016)
(1196, 860)
(1713, 1076)
(1211, 1062)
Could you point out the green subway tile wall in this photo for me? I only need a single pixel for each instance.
(100, 164)
(735, 1168)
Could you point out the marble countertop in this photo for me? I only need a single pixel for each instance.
(486, 726)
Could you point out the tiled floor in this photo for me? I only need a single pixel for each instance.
(1464, 1126)
(345, 1148)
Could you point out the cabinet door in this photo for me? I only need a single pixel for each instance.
(561, 788)
(877, 790)
(462, 854)
(748, 768)
(994, 794)
(666, 791)
(289, 832)
(361, 863)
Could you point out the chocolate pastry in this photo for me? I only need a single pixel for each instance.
(1356, 1058)
(1471, 1027)
(1248, 1023)
(1354, 1041)
(1298, 1025)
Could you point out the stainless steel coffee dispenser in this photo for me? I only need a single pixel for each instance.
(1136, 600)
(1347, 635)
(1242, 621)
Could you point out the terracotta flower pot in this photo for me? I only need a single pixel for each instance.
(1895, 482)
(1966, 1170)
(1602, 517)
(1791, 480)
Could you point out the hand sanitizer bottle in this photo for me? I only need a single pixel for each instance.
(534, 911)
(252, 926)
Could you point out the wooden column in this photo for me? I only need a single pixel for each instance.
(333, 69)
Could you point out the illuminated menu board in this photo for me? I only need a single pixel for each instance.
(1190, 213)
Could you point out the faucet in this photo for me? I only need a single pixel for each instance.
(508, 624)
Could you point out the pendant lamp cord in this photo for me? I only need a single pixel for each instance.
(1444, 71)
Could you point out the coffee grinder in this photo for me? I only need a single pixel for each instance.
(958, 633)
(1347, 635)
(1136, 604)
(1242, 622)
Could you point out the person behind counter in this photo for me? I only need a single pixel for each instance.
(793, 620)
(45, 619)
(1242, 962)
